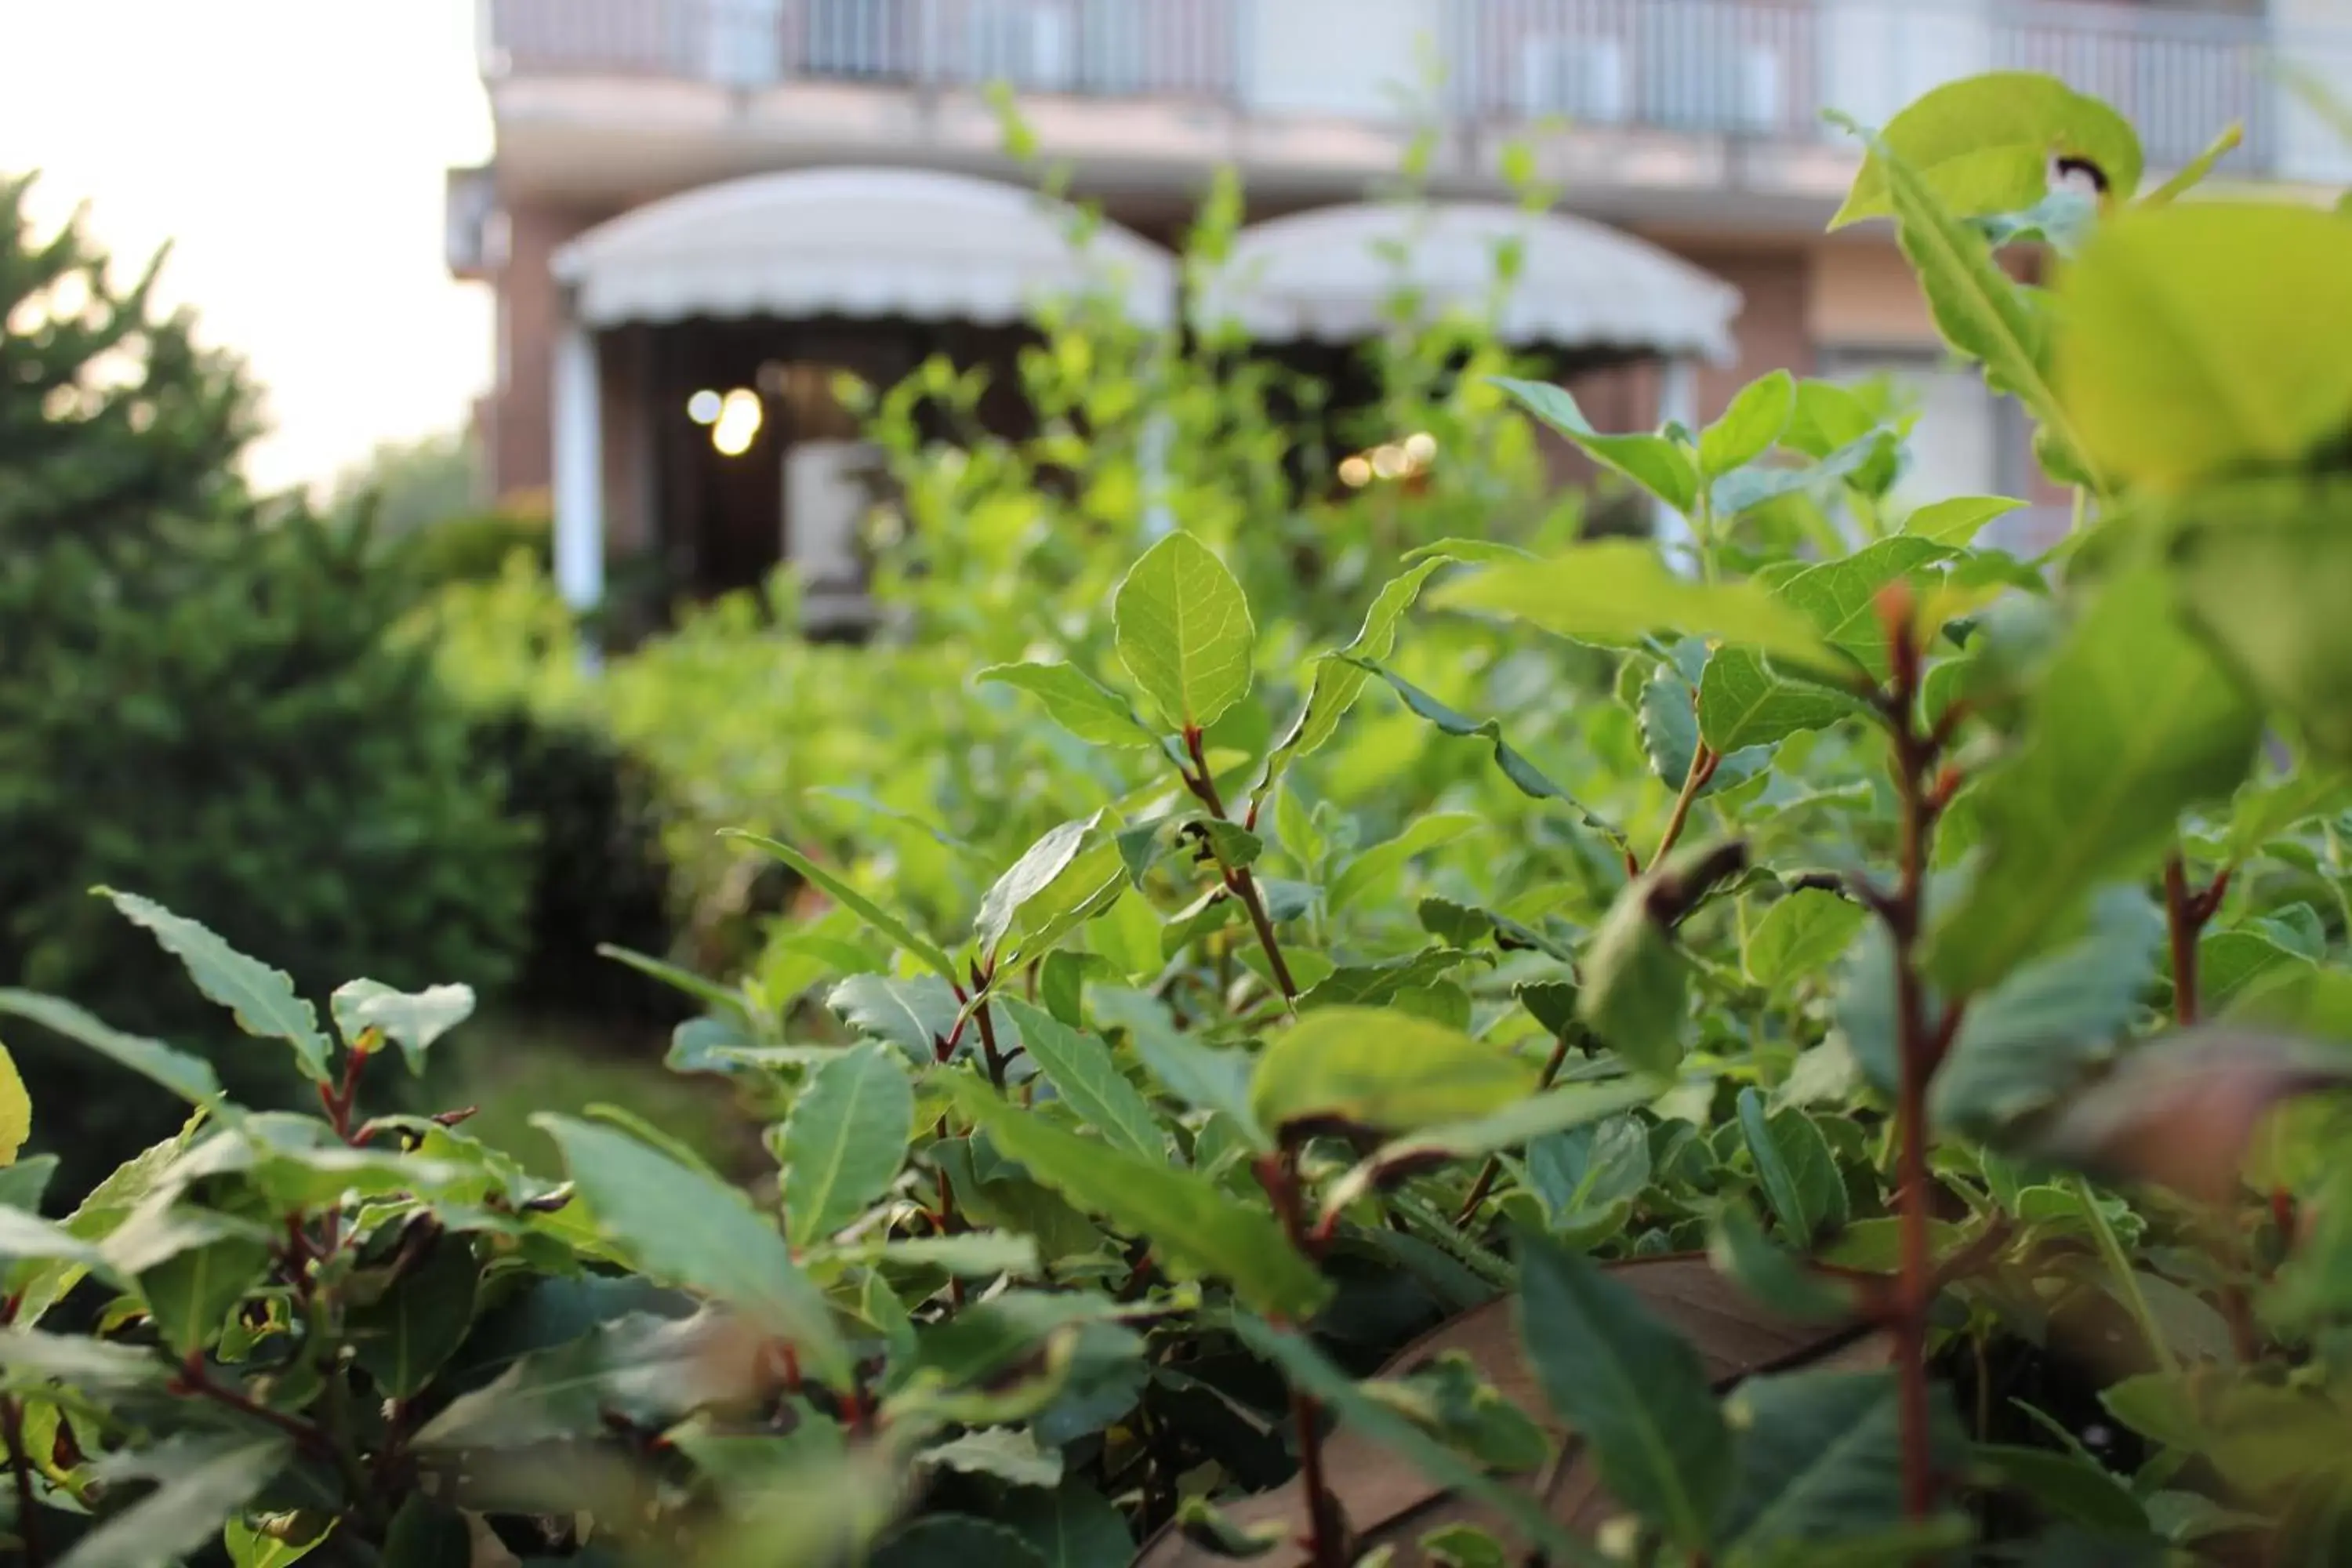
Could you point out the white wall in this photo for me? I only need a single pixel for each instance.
(1339, 57)
(2315, 35)
(1881, 55)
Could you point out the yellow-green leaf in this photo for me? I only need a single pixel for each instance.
(1382, 1069)
(1985, 144)
(1182, 629)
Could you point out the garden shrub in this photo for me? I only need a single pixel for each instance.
(1899, 937)
(199, 702)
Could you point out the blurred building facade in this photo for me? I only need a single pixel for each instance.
(730, 197)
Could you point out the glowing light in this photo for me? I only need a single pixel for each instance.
(703, 407)
(738, 425)
(1389, 462)
(1420, 448)
(1355, 473)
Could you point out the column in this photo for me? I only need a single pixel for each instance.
(579, 469)
(1678, 405)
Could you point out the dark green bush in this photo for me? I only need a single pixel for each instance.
(201, 700)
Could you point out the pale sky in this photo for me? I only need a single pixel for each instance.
(293, 150)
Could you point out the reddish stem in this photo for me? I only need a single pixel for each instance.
(1237, 879)
(2182, 924)
(195, 1379)
(28, 1525)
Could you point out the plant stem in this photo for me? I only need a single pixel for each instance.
(2180, 925)
(1237, 879)
(1703, 763)
(2118, 1262)
(29, 1527)
(1485, 1181)
(1327, 1533)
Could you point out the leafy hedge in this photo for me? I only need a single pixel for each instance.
(1904, 940)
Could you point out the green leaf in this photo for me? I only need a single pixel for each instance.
(1195, 1230)
(248, 1547)
(1633, 1389)
(1070, 1527)
(2030, 1038)
(1525, 776)
(973, 1254)
(2177, 361)
(844, 1140)
(1984, 144)
(2261, 573)
(190, 1292)
(1182, 630)
(411, 1020)
(1550, 1118)
(1382, 1069)
(1619, 592)
(1772, 1277)
(682, 1226)
(1581, 1175)
(1089, 1081)
(1668, 716)
(1793, 1164)
(1803, 933)
(1841, 597)
(1758, 414)
(913, 1015)
(1636, 992)
(1956, 520)
(1979, 309)
(2132, 723)
(651, 1370)
(1306, 1370)
(200, 1485)
(26, 1236)
(404, 1337)
(956, 1541)
(1036, 870)
(427, 1533)
(1339, 676)
(1744, 700)
(867, 909)
(1820, 1458)
(29, 1356)
(1376, 866)
(1656, 463)
(261, 998)
(1076, 701)
(1009, 1454)
(1205, 1078)
(189, 1077)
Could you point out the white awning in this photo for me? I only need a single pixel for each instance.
(1327, 274)
(858, 242)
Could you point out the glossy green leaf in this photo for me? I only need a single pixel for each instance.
(1617, 593)
(1820, 1458)
(914, 1013)
(2261, 574)
(1382, 1069)
(427, 1532)
(680, 1225)
(1378, 867)
(1086, 1080)
(1956, 520)
(1076, 701)
(1184, 632)
(1525, 776)
(2177, 362)
(1339, 677)
(1841, 597)
(1801, 935)
(1637, 993)
(1671, 730)
(403, 1338)
(844, 1140)
(2132, 723)
(1008, 1454)
(1306, 1369)
(248, 1547)
(261, 999)
(411, 1020)
(1072, 1526)
(1978, 308)
(200, 1485)
(872, 913)
(1754, 420)
(1634, 1390)
(1985, 143)
(190, 1292)
(1196, 1231)
(1746, 701)
(1030, 875)
(1656, 463)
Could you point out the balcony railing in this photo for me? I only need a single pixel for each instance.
(1130, 48)
(1767, 68)
(1754, 68)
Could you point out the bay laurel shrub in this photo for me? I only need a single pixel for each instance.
(1941, 948)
